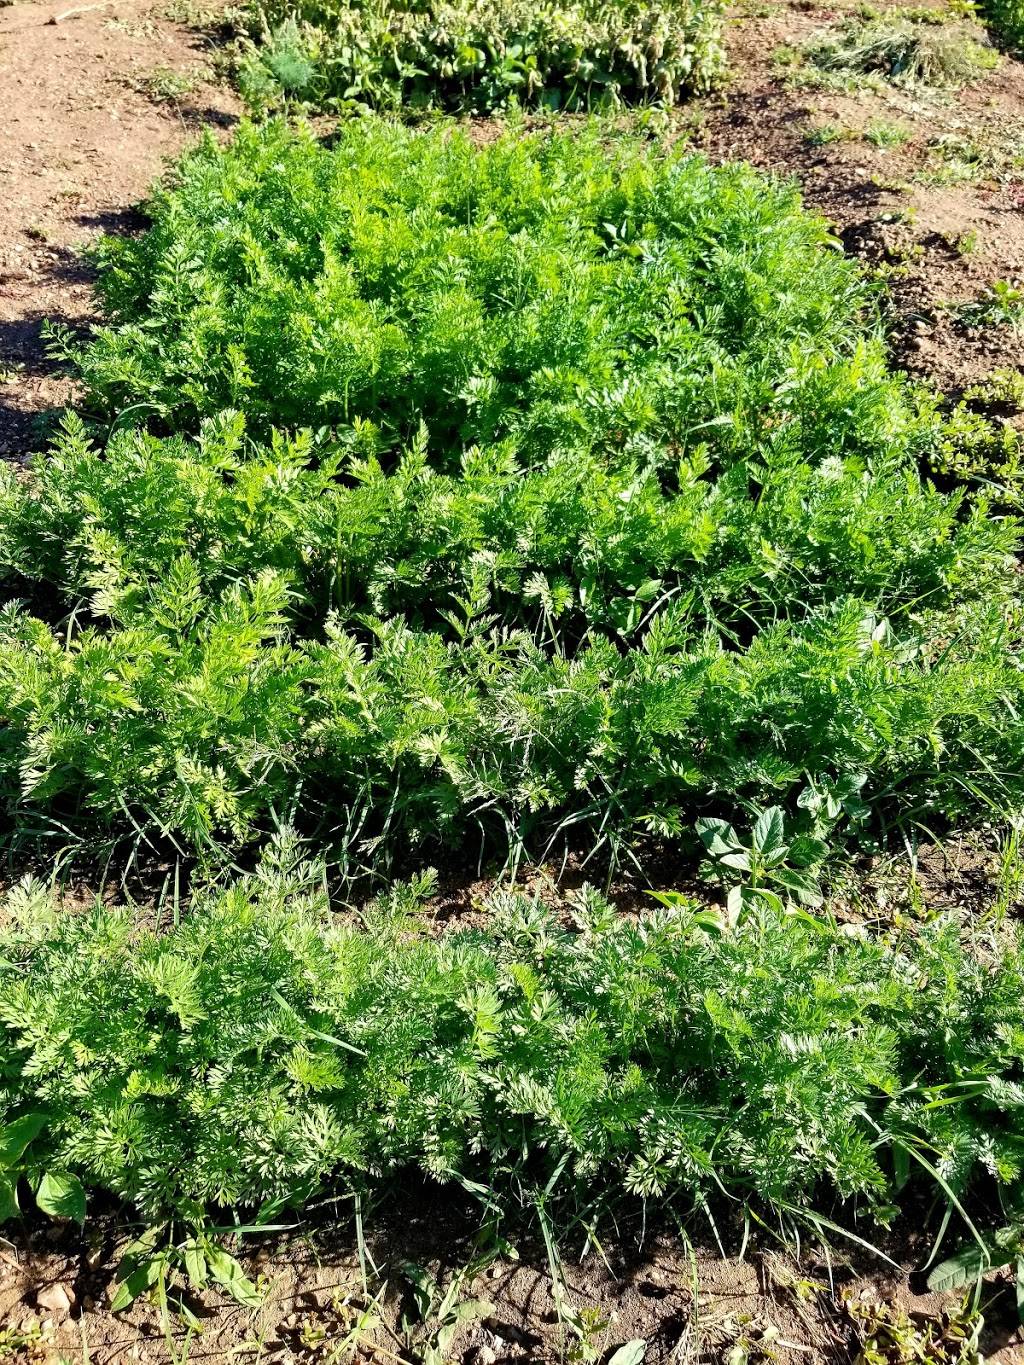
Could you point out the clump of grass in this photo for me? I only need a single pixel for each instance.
(961, 159)
(886, 135)
(164, 85)
(1010, 876)
(824, 134)
(903, 51)
(261, 1049)
(956, 159)
(448, 54)
(607, 474)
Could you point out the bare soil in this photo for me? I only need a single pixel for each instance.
(687, 1303)
(85, 127)
(941, 243)
(92, 106)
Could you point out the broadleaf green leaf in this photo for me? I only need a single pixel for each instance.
(232, 1278)
(9, 1207)
(17, 1135)
(60, 1194)
(965, 1267)
(632, 1353)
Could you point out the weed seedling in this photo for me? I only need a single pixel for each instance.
(164, 85)
(1002, 305)
(886, 135)
(963, 243)
(775, 871)
(824, 134)
(24, 1343)
(444, 1313)
(891, 1336)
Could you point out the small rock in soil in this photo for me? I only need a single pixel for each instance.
(56, 1298)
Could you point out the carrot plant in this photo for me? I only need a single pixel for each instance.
(572, 494)
(263, 1048)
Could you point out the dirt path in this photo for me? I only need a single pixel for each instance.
(90, 108)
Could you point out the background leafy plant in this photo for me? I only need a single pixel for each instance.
(1006, 20)
(452, 55)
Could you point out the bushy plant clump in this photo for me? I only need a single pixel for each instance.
(450, 54)
(610, 508)
(549, 289)
(903, 50)
(259, 1049)
(1006, 20)
(431, 646)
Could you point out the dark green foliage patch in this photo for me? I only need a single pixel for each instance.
(573, 495)
(479, 57)
(260, 1049)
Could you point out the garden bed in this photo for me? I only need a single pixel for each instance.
(618, 548)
